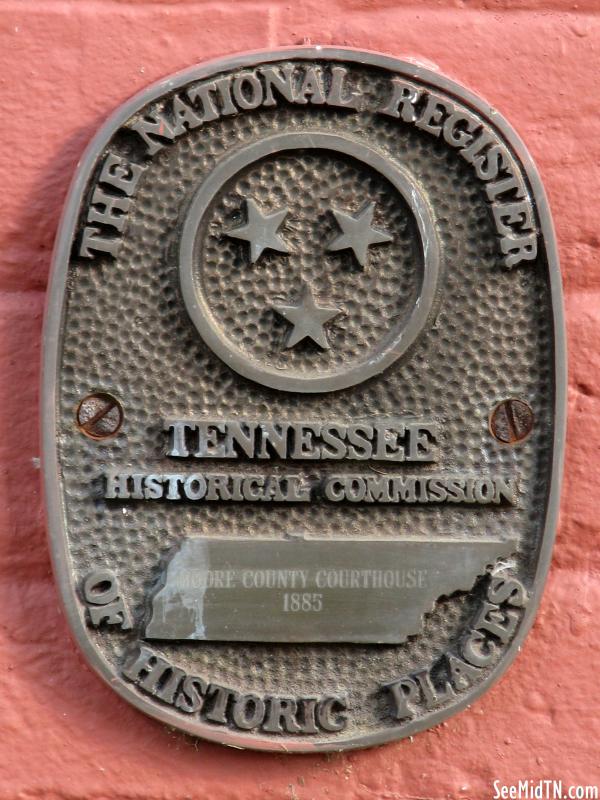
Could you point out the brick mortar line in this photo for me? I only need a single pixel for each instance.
(542, 11)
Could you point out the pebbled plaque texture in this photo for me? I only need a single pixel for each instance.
(122, 323)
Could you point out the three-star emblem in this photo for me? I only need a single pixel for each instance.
(261, 231)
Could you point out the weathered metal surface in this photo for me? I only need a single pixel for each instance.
(291, 294)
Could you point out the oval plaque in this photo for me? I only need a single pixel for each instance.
(304, 389)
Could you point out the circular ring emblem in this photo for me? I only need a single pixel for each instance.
(312, 348)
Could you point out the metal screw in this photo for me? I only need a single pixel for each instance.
(99, 415)
(511, 421)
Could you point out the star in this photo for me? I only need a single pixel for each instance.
(357, 232)
(261, 230)
(308, 319)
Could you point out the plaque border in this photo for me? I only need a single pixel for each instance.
(53, 316)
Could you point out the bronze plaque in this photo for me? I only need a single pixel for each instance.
(303, 399)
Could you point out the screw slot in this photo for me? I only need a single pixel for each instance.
(99, 416)
(511, 421)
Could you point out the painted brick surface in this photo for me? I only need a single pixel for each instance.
(64, 66)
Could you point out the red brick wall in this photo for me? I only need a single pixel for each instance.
(63, 67)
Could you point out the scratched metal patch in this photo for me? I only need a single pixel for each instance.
(304, 389)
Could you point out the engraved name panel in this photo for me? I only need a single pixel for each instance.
(311, 590)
